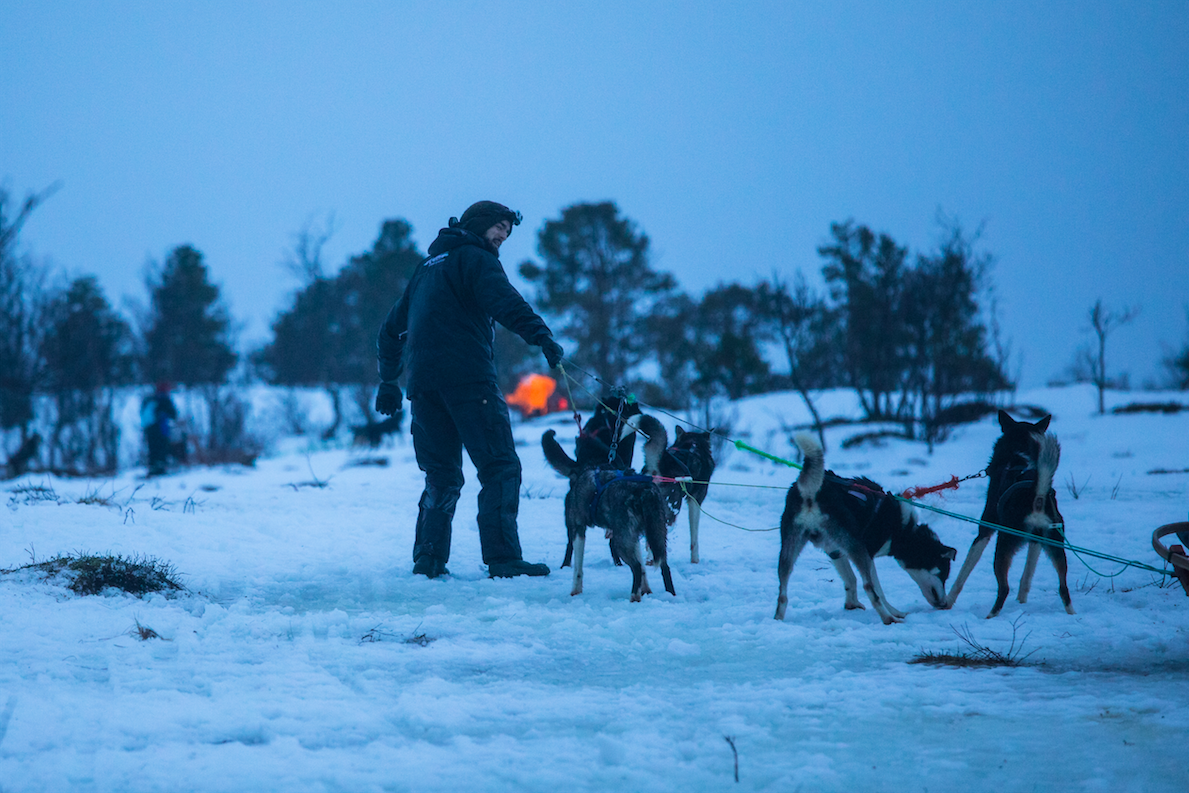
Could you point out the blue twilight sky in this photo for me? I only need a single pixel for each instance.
(732, 133)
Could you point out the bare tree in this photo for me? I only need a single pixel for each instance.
(1176, 363)
(304, 257)
(796, 317)
(1104, 322)
(22, 303)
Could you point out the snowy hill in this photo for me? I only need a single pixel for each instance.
(308, 657)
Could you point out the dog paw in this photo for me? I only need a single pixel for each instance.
(856, 606)
(1069, 610)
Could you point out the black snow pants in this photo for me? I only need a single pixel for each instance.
(444, 421)
(158, 443)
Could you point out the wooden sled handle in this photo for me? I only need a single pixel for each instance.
(1179, 561)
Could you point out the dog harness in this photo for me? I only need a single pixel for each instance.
(1023, 477)
(602, 485)
(862, 496)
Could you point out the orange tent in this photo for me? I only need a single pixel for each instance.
(535, 396)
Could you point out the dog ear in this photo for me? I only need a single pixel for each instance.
(949, 553)
(1042, 426)
(1006, 422)
(680, 431)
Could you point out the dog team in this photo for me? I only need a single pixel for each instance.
(439, 339)
(852, 521)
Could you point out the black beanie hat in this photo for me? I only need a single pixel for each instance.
(482, 215)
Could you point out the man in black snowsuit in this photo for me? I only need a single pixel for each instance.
(440, 334)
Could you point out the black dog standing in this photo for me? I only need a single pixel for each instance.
(440, 335)
(1020, 496)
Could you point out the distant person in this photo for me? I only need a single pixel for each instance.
(439, 334)
(157, 416)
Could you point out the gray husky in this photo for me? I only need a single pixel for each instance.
(854, 521)
(690, 458)
(626, 505)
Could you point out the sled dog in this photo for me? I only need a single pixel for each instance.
(854, 521)
(626, 505)
(689, 457)
(592, 448)
(594, 441)
(1020, 496)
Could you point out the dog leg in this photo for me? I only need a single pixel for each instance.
(976, 551)
(792, 541)
(569, 553)
(640, 586)
(626, 545)
(1057, 557)
(656, 535)
(667, 575)
(695, 517)
(579, 551)
(849, 582)
(1029, 571)
(874, 591)
(1005, 548)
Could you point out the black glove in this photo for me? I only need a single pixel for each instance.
(388, 399)
(553, 352)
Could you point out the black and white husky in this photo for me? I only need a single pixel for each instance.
(689, 458)
(854, 521)
(628, 506)
(1020, 496)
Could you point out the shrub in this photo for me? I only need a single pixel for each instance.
(90, 574)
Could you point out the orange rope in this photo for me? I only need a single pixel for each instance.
(917, 492)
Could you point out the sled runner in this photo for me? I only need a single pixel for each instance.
(1174, 554)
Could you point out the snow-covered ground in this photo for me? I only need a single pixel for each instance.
(308, 657)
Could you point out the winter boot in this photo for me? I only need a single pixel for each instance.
(516, 567)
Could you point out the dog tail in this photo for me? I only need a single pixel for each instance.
(656, 443)
(1046, 465)
(814, 471)
(556, 456)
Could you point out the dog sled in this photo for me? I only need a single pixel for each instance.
(1174, 554)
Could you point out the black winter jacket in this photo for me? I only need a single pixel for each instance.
(440, 332)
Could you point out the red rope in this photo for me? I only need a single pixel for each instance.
(916, 492)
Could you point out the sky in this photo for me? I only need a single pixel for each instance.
(732, 134)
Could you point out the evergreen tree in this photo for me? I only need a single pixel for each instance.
(672, 327)
(947, 349)
(598, 285)
(188, 337)
(327, 338)
(729, 321)
(87, 351)
(913, 335)
(866, 278)
(365, 290)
